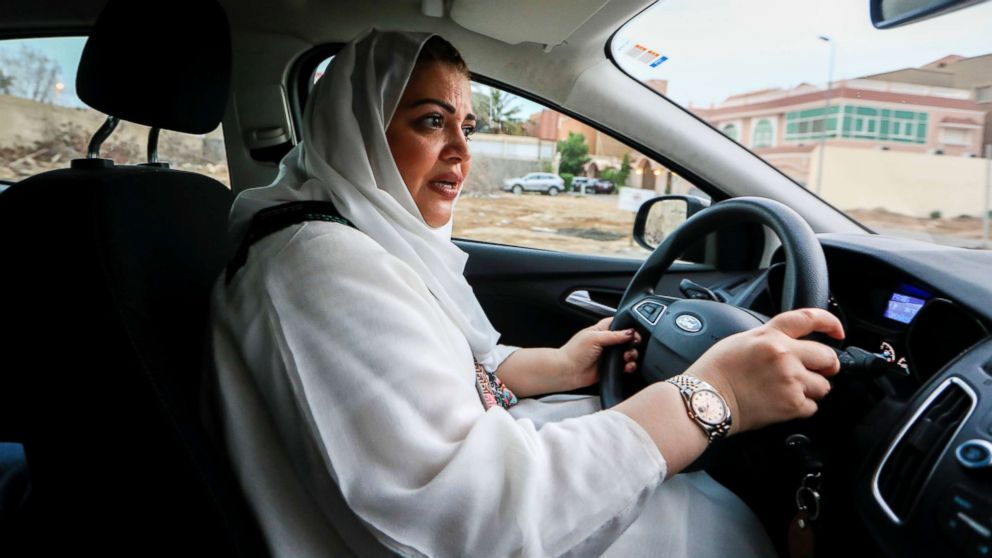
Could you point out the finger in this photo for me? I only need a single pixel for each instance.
(630, 367)
(815, 386)
(802, 322)
(602, 325)
(808, 408)
(817, 357)
(608, 338)
(630, 355)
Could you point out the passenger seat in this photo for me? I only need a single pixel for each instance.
(106, 278)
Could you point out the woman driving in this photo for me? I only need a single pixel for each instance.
(364, 395)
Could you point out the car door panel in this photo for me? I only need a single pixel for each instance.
(524, 291)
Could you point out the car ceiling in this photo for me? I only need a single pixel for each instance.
(322, 21)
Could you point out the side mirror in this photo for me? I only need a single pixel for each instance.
(886, 14)
(658, 217)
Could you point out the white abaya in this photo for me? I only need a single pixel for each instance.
(351, 415)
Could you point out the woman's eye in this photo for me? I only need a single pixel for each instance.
(434, 120)
(468, 131)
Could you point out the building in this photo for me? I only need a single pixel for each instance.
(974, 73)
(785, 126)
(604, 151)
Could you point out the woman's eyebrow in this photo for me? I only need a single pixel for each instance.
(446, 106)
(432, 101)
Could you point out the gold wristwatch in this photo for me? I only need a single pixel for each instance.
(705, 406)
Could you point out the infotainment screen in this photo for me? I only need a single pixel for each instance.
(903, 308)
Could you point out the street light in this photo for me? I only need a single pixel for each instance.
(59, 87)
(826, 111)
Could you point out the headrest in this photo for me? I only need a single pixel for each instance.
(160, 64)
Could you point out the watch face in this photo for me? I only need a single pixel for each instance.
(708, 406)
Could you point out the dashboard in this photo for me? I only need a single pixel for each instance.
(911, 449)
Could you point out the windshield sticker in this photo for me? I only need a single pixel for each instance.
(642, 54)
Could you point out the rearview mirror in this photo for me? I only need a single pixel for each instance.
(658, 217)
(886, 14)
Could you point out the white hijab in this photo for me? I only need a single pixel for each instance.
(344, 158)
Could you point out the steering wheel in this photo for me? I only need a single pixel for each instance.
(676, 332)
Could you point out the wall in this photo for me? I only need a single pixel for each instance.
(512, 147)
(497, 157)
(488, 173)
(908, 183)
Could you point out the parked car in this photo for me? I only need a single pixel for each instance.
(544, 182)
(118, 454)
(592, 185)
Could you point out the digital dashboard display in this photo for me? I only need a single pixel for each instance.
(903, 308)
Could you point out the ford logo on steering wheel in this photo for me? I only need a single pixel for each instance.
(688, 322)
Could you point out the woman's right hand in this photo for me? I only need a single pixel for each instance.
(769, 374)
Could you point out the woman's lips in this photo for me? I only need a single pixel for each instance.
(445, 185)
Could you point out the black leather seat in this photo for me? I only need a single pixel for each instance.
(106, 277)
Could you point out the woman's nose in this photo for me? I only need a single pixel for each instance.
(456, 148)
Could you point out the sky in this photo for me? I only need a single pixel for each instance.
(64, 50)
(717, 48)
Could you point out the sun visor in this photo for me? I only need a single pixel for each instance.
(548, 22)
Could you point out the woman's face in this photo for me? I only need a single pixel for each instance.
(428, 137)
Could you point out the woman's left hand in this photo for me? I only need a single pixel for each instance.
(580, 356)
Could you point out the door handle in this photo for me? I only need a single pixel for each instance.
(582, 300)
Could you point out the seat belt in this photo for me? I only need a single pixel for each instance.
(276, 218)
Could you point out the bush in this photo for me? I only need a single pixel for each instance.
(621, 177)
(935, 214)
(574, 154)
(567, 177)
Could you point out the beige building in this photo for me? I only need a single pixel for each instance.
(785, 125)
(908, 141)
(974, 74)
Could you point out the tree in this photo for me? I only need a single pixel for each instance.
(497, 112)
(574, 154)
(624, 171)
(618, 177)
(6, 83)
(30, 74)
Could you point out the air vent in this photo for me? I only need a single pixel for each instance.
(911, 458)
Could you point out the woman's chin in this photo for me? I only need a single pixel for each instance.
(437, 216)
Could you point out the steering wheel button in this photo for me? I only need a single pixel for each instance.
(650, 311)
(975, 454)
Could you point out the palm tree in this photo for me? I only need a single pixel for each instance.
(497, 112)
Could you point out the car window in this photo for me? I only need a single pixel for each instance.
(518, 138)
(521, 190)
(892, 126)
(44, 125)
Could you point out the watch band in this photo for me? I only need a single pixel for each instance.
(689, 385)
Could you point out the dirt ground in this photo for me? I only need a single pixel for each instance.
(589, 224)
(962, 226)
(593, 224)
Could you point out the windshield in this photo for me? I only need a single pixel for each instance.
(893, 127)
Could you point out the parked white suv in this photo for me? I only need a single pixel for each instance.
(550, 184)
